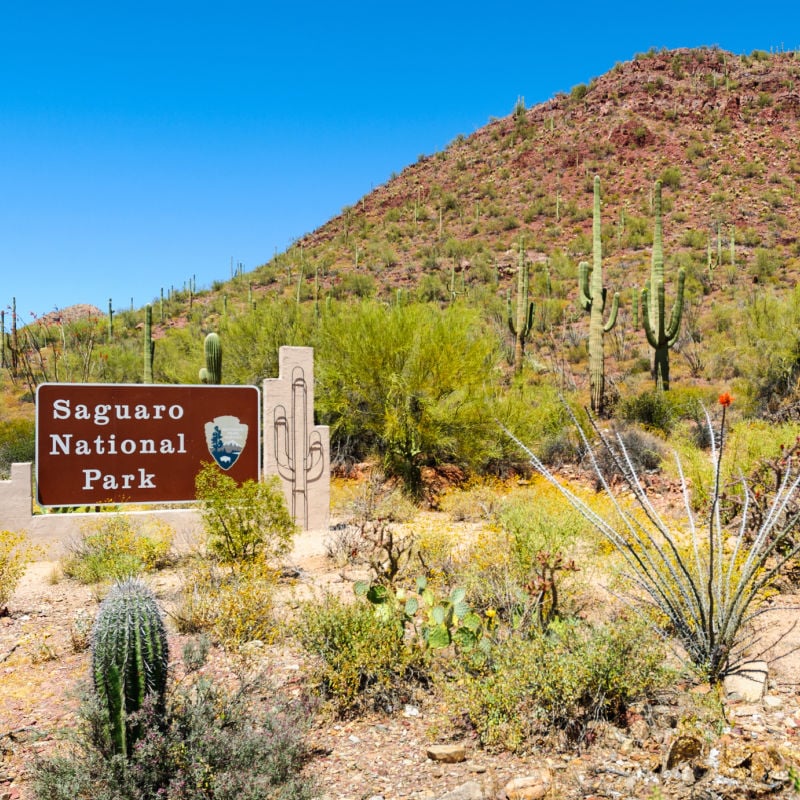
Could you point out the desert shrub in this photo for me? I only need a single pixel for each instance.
(364, 659)
(17, 444)
(235, 606)
(407, 384)
(557, 683)
(471, 504)
(243, 522)
(115, 546)
(645, 452)
(16, 553)
(212, 744)
(651, 409)
(522, 570)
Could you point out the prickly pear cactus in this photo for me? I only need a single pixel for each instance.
(129, 658)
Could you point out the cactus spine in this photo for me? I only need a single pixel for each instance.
(212, 371)
(524, 316)
(129, 658)
(149, 344)
(660, 334)
(593, 300)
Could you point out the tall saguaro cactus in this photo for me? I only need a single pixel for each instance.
(593, 300)
(212, 371)
(520, 326)
(661, 335)
(149, 344)
(129, 658)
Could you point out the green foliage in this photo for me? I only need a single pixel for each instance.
(235, 605)
(434, 623)
(209, 744)
(16, 553)
(117, 546)
(243, 522)
(365, 660)
(407, 384)
(17, 444)
(129, 660)
(557, 682)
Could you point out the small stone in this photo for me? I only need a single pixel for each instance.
(467, 791)
(447, 753)
(772, 701)
(531, 787)
(353, 738)
(410, 711)
(687, 776)
(747, 683)
(478, 768)
(682, 749)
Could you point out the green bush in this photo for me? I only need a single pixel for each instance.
(651, 409)
(15, 554)
(115, 546)
(557, 683)
(17, 444)
(212, 744)
(243, 523)
(407, 383)
(364, 659)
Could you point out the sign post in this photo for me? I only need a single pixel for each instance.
(140, 443)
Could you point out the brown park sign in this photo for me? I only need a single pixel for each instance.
(134, 443)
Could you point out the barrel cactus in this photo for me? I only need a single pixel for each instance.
(129, 658)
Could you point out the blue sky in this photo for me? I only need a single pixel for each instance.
(143, 143)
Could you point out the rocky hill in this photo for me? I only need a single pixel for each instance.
(720, 131)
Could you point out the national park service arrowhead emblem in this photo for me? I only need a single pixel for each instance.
(226, 438)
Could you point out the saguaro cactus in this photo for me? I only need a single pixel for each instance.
(110, 321)
(129, 658)
(521, 326)
(593, 300)
(212, 371)
(660, 334)
(149, 344)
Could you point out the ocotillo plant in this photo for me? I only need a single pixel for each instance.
(110, 321)
(2, 339)
(129, 658)
(521, 326)
(660, 335)
(593, 300)
(212, 371)
(149, 344)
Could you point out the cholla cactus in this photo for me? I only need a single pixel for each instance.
(129, 658)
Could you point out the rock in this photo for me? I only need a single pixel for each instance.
(772, 701)
(747, 682)
(447, 753)
(531, 787)
(683, 749)
(467, 791)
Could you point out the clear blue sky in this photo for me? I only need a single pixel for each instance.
(143, 143)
